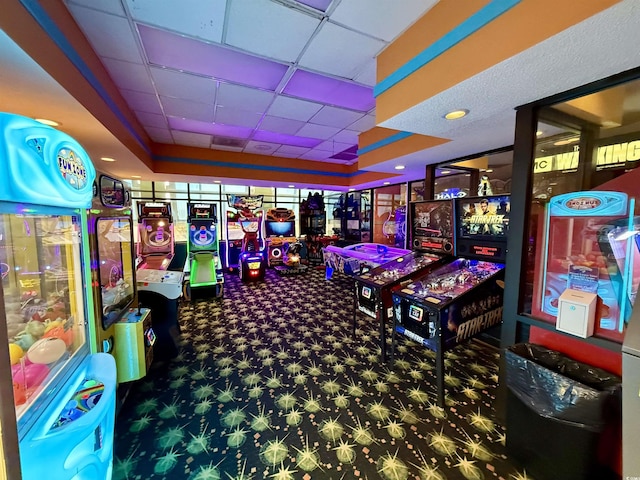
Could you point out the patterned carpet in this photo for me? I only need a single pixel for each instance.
(270, 383)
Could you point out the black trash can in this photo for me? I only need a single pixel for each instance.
(563, 416)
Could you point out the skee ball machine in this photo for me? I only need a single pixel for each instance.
(64, 395)
(155, 235)
(203, 267)
(432, 234)
(122, 331)
(588, 246)
(463, 298)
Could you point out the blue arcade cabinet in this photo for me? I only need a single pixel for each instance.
(64, 395)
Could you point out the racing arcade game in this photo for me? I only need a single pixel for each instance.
(432, 239)
(155, 228)
(247, 253)
(283, 246)
(203, 266)
(463, 298)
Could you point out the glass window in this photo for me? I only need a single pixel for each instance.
(583, 230)
(173, 187)
(416, 190)
(235, 189)
(387, 201)
(42, 280)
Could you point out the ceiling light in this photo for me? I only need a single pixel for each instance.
(107, 159)
(292, 186)
(217, 181)
(567, 141)
(539, 133)
(136, 176)
(489, 170)
(352, 189)
(399, 167)
(386, 183)
(51, 123)
(444, 172)
(456, 114)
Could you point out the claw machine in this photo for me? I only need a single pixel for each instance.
(432, 240)
(64, 396)
(461, 299)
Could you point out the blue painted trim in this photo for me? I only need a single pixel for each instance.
(471, 25)
(248, 166)
(384, 142)
(52, 30)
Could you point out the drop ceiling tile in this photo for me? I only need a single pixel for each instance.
(365, 123)
(347, 136)
(286, 155)
(335, 117)
(182, 53)
(109, 6)
(293, 108)
(367, 74)
(193, 17)
(234, 116)
(275, 137)
(355, 50)
(227, 148)
(109, 35)
(332, 147)
(386, 20)
(151, 120)
(170, 83)
(321, 5)
(142, 102)
(329, 90)
(262, 148)
(315, 155)
(127, 75)
(159, 135)
(177, 107)
(229, 131)
(291, 150)
(257, 26)
(318, 131)
(246, 98)
(191, 139)
(282, 125)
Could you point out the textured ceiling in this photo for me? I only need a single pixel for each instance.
(254, 76)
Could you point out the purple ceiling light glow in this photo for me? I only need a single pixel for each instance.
(196, 126)
(312, 86)
(182, 53)
(321, 5)
(273, 137)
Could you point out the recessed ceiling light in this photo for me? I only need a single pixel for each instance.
(292, 186)
(455, 114)
(352, 189)
(444, 172)
(399, 167)
(489, 170)
(263, 147)
(539, 133)
(386, 183)
(217, 181)
(46, 121)
(136, 176)
(107, 159)
(567, 141)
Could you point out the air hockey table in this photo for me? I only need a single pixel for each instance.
(359, 258)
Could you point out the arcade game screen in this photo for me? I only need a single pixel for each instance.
(484, 217)
(280, 229)
(431, 225)
(202, 234)
(116, 266)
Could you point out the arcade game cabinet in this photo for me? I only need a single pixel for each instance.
(463, 298)
(155, 231)
(282, 244)
(588, 245)
(64, 396)
(124, 332)
(359, 258)
(432, 238)
(203, 267)
(248, 255)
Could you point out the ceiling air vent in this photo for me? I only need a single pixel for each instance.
(229, 142)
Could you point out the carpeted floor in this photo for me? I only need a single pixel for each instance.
(271, 383)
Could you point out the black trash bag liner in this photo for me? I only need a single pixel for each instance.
(556, 386)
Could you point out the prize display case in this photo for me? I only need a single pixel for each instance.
(64, 395)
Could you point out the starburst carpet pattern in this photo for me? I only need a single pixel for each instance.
(271, 383)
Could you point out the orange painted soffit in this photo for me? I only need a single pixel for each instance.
(523, 26)
(404, 146)
(23, 29)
